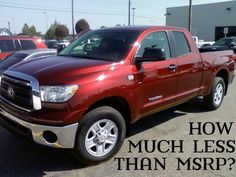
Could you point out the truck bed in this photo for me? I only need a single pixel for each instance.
(213, 55)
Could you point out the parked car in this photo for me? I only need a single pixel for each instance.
(64, 42)
(20, 56)
(10, 44)
(201, 43)
(61, 45)
(222, 44)
(51, 44)
(86, 97)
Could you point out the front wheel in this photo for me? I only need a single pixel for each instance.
(100, 135)
(216, 96)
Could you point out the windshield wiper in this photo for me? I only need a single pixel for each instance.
(85, 57)
(71, 55)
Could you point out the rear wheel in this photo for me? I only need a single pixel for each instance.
(216, 96)
(99, 136)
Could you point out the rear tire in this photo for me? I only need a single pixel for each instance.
(214, 100)
(100, 135)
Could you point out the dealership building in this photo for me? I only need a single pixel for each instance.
(209, 21)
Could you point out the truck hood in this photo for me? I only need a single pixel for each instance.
(60, 69)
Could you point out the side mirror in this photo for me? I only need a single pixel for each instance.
(60, 47)
(151, 54)
(232, 45)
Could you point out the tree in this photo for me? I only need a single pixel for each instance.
(30, 30)
(25, 29)
(50, 34)
(81, 25)
(61, 31)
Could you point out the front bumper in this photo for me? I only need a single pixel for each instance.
(65, 135)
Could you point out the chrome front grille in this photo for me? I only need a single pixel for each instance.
(20, 90)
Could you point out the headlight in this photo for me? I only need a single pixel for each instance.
(57, 94)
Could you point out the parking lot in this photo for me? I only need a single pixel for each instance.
(20, 158)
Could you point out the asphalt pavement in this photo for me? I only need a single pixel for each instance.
(161, 145)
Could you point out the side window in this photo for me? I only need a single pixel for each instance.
(27, 44)
(181, 44)
(6, 45)
(155, 40)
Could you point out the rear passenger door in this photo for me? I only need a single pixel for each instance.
(189, 67)
(157, 80)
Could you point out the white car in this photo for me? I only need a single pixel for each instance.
(63, 42)
(200, 43)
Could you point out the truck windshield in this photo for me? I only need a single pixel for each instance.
(102, 45)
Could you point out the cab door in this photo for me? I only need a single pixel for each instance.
(190, 67)
(156, 81)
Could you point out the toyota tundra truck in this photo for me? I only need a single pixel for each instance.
(87, 96)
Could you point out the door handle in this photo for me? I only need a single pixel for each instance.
(172, 67)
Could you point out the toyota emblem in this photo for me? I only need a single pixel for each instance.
(10, 92)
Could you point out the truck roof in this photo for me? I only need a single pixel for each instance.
(19, 37)
(141, 28)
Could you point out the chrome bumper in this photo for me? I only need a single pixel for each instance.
(65, 135)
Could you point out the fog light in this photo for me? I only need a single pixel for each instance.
(50, 137)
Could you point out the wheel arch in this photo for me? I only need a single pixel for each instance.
(118, 103)
(223, 73)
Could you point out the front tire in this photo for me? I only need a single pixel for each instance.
(214, 100)
(100, 135)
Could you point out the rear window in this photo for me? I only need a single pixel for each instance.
(181, 44)
(27, 44)
(6, 45)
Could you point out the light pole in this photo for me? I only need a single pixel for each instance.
(129, 13)
(46, 20)
(9, 25)
(190, 16)
(72, 11)
(13, 24)
(133, 14)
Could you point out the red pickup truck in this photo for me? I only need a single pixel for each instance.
(86, 97)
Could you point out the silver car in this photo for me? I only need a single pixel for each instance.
(20, 56)
(24, 55)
